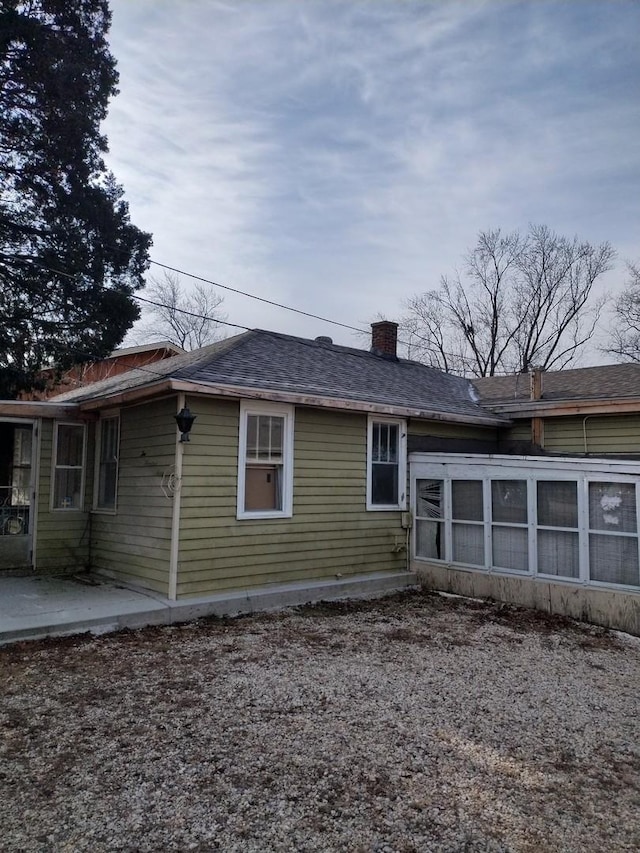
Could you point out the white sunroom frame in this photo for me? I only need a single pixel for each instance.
(449, 467)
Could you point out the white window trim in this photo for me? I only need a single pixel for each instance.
(54, 467)
(250, 407)
(402, 464)
(96, 465)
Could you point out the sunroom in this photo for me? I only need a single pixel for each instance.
(561, 520)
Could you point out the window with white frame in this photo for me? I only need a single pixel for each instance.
(547, 519)
(613, 533)
(265, 461)
(68, 466)
(509, 525)
(557, 528)
(430, 515)
(467, 522)
(107, 453)
(386, 463)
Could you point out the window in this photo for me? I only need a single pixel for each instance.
(21, 473)
(467, 513)
(386, 464)
(68, 466)
(15, 478)
(107, 463)
(509, 531)
(558, 541)
(429, 518)
(613, 533)
(552, 519)
(265, 461)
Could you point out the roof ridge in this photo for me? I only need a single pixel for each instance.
(361, 353)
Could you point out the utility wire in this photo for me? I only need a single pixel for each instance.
(258, 298)
(190, 313)
(430, 348)
(424, 341)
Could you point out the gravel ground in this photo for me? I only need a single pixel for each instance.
(413, 723)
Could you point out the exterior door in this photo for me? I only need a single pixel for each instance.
(16, 489)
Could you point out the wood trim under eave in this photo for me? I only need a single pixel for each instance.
(124, 397)
(241, 392)
(564, 408)
(134, 395)
(31, 409)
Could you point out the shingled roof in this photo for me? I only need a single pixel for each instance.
(606, 382)
(282, 364)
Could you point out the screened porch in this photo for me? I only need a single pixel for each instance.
(557, 519)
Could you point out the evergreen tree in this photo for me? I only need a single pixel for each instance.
(70, 258)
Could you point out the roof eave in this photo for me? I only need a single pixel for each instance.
(37, 409)
(135, 395)
(130, 395)
(242, 392)
(559, 408)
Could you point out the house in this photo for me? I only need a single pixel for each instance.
(551, 519)
(301, 461)
(294, 469)
(588, 411)
(119, 361)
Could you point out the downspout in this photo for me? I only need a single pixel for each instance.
(584, 434)
(34, 486)
(175, 515)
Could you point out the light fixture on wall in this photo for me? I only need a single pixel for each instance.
(185, 420)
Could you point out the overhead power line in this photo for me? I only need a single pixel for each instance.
(258, 298)
(190, 313)
(425, 343)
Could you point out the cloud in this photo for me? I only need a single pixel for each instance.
(340, 156)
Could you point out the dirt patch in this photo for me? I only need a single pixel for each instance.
(412, 723)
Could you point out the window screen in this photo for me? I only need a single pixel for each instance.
(557, 507)
(613, 556)
(509, 507)
(509, 501)
(467, 505)
(612, 507)
(429, 515)
(384, 464)
(558, 553)
(466, 500)
(68, 475)
(557, 503)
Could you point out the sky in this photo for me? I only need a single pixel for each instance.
(340, 156)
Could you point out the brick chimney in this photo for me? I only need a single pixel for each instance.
(384, 338)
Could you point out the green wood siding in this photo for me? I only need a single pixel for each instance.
(133, 544)
(604, 434)
(447, 430)
(330, 534)
(62, 536)
(519, 431)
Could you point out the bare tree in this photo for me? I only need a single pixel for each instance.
(625, 336)
(189, 320)
(522, 300)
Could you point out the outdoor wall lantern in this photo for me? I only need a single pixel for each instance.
(185, 420)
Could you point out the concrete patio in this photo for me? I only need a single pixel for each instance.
(32, 608)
